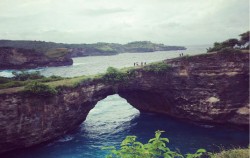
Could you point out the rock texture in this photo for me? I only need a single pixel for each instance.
(18, 58)
(209, 88)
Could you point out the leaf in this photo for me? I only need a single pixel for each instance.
(108, 148)
(150, 140)
(167, 156)
(158, 134)
(201, 151)
(165, 139)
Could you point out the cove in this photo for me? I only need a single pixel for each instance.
(197, 88)
(113, 118)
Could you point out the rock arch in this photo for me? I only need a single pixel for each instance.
(209, 88)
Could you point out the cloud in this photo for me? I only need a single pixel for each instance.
(102, 11)
(181, 22)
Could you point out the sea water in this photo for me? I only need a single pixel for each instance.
(113, 118)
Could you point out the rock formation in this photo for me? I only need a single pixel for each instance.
(19, 58)
(211, 88)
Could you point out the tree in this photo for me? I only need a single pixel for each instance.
(244, 37)
(230, 43)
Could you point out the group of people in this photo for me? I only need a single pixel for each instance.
(138, 64)
(181, 54)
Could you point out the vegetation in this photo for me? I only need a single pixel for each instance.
(40, 89)
(23, 78)
(24, 75)
(155, 148)
(244, 38)
(114, 75)
(158, 67)
(233, 153)
(52, 49)
(230, 43)
(147, 46)
(58, 52)
(229, 51)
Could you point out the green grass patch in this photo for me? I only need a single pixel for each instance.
(40, 89)
(158, 67)
(55, 53)
(23, 78)
(67, 82)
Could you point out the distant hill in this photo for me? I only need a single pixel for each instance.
(76, 50)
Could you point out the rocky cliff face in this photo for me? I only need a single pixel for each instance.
(81, 52)
(209, 88)
(18, 58)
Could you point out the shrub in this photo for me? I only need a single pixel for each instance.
(233, 153)
(11, 84)
(40, 89)
(155, 148)
(51, 78)
(4, 80)
(229, 51)
(157, 67)
(114, 75)
(24, 75)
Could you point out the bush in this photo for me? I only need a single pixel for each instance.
(40, 89)
(114, 75)
(155, 148)
(234, 153)
(24, 75)
(11, 84)
(157, 67)
(229, 51)
(4, 80)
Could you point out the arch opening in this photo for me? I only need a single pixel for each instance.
(112, 114)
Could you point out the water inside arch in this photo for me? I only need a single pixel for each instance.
(112, 119)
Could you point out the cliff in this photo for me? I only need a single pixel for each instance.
(19, 58)
(95, 49)
(210, 88)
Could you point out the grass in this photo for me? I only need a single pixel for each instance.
(67, 82)
(120, 75)
(55, 53)
(157, 67)
(233, 153)
(16, 83)
(70, 82)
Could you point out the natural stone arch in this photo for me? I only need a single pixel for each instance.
(28, 120)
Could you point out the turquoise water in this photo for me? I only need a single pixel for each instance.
(113, 119)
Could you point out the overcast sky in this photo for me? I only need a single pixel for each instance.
(179, 22)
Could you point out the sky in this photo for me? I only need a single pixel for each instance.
(171, 22)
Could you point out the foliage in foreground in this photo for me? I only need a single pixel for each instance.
(40, 89)
(234, 153)
(155, 148)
